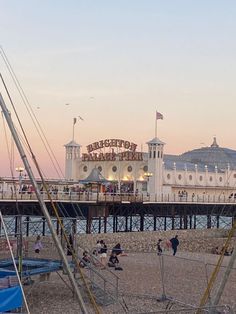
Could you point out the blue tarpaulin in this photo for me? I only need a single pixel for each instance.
(10, 298)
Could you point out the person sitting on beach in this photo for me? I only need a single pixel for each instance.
(227, 252)
(98, 247)
(118, 250)
(85, 260)
(114, 262)
(215, 250)
(38, 245)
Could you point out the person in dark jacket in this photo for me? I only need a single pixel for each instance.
(113, 260)
(118, 250)
(174, 242)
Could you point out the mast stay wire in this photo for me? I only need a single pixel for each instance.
(10, 148)
(14, 263)
(51, 201)
(31, 114)
(207, 293)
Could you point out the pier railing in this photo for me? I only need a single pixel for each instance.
(118, 197)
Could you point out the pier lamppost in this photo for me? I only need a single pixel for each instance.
(148, 175)
(20, 170)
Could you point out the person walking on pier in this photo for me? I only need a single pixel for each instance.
(174, 242)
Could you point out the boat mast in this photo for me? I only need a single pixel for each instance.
(41, 202)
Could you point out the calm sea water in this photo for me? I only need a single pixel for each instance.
(35, 225)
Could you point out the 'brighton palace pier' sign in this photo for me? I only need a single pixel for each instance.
(127, 151)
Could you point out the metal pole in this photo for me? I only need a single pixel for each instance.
(161, 259)
(224, 280)
(41, 202)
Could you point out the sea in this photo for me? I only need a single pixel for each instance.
(35, 225)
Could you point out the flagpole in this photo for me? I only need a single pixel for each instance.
(73, 131)
(156, 124)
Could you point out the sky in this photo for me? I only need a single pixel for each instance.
(115, 63)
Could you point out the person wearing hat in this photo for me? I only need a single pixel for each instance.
(159, 249)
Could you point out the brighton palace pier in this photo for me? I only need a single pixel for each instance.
(112, 187)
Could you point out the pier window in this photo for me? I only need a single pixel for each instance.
(129, 169)
(145, 168)
(190, 177)
(220, 178)
(210, 178)
(85, 169)
(114, 168)
(200, 178)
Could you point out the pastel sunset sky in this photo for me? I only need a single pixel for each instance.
(115, 63)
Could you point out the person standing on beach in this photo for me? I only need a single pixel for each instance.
(174, 242)
(103, 251)
(159, 249)
(38, 245)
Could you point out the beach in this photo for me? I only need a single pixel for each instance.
(145, 278)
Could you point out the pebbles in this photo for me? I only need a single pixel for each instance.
(140, 282)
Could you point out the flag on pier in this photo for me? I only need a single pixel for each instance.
(159, 115)
(75, 121)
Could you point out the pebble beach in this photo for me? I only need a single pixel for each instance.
(146, 277)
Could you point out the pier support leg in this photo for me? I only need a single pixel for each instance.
(208, 221)
(154, 223)
(141, 222)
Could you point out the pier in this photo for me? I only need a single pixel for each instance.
(106, 213)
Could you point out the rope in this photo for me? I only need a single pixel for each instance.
(92, 299)
(45, 187)
(14, 263)
(214, 274)
(30, 112)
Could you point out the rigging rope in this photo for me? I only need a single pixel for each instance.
(31, 114)
(51, 201)
(14, 263)
(214, 274)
